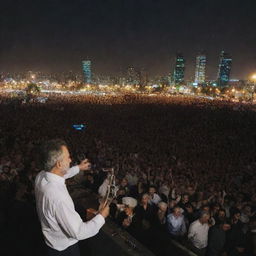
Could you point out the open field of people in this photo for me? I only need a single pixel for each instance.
(173, 155)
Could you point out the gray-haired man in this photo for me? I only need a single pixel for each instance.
(198, 233)
(61, 225)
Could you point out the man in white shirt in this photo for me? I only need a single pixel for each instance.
(198, 233)
(61, 225)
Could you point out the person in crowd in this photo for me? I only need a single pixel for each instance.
(176, 223)
(198, 233)
(124, 185)
(189, 213)
(162, 213)
(164, 191)
(132, 178)
(220, 216)
(236, 239)
(217, 238)
(154, 197)
(127, 217)
(146, 212)
(191, 191)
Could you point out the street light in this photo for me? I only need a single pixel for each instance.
(253, 77)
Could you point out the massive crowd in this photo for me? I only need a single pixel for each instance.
(184, 167)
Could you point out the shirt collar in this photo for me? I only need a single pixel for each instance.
(51, 177)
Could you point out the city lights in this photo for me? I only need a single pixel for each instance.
(253, 77)
(137, 81)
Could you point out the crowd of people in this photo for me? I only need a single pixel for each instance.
(184, 167)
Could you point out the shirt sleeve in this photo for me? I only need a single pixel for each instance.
(71, 172)
(191, 232)
(73, 226)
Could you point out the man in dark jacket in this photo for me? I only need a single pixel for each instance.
(217, 238)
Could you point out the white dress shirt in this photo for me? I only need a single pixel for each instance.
(61, 224)
(198, 234)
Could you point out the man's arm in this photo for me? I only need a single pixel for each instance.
(73, 225)
(85, 165)
(191, 232)
(72, 172)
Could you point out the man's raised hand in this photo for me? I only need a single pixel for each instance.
(85, 165)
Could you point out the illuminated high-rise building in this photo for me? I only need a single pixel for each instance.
(179, 69)
(200, 69)
(87, 71)
(224, 69)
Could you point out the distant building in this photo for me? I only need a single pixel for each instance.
(143, 77)
(224, 69)
(86, 64)
(133, 76)
(179, 69)
(200, 69)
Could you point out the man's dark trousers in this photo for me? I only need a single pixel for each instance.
(72, 250)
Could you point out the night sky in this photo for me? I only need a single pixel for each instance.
(56, 35)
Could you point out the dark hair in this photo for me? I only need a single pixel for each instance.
(202, 213)
(222, 210)
(51, 153)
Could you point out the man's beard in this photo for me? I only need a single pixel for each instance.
(65, 170)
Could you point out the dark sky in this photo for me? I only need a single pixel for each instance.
(55, 35)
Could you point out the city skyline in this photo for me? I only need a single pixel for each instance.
(52, 36)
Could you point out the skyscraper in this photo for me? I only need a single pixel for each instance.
(200, 69)
(224, 69)
(179, 69)
(87, 71)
